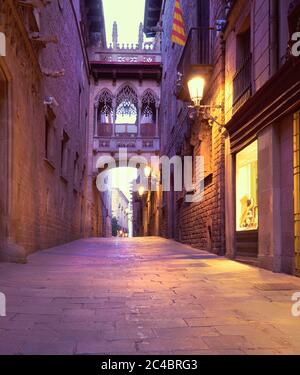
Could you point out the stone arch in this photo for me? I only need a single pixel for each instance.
(150, 92)
(100, 93)
(124, 84)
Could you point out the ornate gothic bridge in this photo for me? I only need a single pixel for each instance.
(126, 96)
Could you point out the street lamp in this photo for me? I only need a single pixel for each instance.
(141, 191)
(196, 89)
(147, 171)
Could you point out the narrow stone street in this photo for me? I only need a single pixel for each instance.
(144, 296)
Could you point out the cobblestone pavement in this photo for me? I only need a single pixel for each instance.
(144, 296)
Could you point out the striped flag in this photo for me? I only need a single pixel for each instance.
(178, 31)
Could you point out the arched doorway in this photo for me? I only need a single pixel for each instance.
(3, 161)
(122, 200)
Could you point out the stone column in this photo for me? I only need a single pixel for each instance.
(96, 106)
(229, 201)
(156, 122)
(139, 118)
(114, 117)
(269, 206)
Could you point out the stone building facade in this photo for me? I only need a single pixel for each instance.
(46, 182)
(200, 224)
(120, 209)
(262, 105)
(250, 209)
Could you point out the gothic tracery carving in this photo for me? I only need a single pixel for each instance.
(127, 102)
(148, 105)
(106, 103)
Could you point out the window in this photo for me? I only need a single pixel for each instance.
(246, 189)
(79, 106)
(64, 155)
(49, 141)
(243, 47)
(105, 111)
(242, 81)
(76, 171)
(148, 108)
(127, 110)
(203, 13)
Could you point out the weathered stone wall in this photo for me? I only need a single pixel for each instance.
(47, 208)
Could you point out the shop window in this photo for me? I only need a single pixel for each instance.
(246, 189)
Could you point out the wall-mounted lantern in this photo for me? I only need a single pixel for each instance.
(196, 89)
(196, 86)
(141, 191)
(147, 171)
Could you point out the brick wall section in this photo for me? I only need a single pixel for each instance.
(47, 209)
(198, 224)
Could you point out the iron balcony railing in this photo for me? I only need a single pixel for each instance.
(198, 49)
(242, 84)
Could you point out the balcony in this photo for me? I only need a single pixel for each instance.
(196, 58)
(242, 84)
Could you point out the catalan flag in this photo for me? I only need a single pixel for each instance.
(178, 31)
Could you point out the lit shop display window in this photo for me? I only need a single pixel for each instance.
(246, 189)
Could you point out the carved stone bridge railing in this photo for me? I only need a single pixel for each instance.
(126, 130)
(134, 145)
(127, 56)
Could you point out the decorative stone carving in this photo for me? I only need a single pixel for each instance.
(141, 36)
(148, 104)
(106, 103)
(115, 35)
(127, 102)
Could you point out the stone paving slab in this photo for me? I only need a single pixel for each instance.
(144, 296)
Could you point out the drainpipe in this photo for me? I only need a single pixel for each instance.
(274, 35)
(296, 190)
